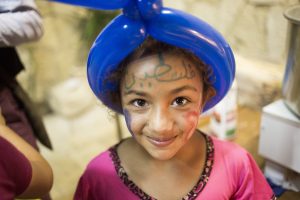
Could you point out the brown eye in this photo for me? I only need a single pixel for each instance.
(139, 103)
(180, 101)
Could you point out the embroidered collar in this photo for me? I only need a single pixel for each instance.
(203, 179)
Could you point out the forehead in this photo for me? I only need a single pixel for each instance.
(163, 71)
(160, 64)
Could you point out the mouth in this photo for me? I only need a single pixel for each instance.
(161, 142)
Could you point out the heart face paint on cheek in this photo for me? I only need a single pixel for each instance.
(192, 121)
(191, 114)
(128, 121)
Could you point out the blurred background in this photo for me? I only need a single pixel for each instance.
(80, 127)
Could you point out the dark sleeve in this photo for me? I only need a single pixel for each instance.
(15, 171)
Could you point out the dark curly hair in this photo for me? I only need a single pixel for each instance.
(150, 47)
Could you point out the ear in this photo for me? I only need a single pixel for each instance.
(207, 94)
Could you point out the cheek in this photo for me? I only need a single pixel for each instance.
(128, 120)
(135, 123)
(191, 121)
(191, 117)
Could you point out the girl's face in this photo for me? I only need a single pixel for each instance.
(162, 100)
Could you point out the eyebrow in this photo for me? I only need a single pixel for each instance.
(186, 87)
(174, 91)
(135, 92)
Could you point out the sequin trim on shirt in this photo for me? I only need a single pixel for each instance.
(142, 195)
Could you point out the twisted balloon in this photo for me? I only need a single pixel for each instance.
(141, 18)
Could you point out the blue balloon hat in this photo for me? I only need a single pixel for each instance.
(142, 18)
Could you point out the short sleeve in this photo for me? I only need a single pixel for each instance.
(101, 181)
(252, 183)
(15, 171)
(90, 185)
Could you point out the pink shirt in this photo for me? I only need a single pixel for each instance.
(230, 173)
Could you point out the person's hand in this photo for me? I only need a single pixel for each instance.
(2, 120)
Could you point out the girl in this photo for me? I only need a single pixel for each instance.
(163, 90)
(161, 68)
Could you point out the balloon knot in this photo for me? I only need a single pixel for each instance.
(143, 9)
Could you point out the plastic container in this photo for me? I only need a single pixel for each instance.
(223, 120)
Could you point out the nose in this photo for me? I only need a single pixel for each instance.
(160, 121)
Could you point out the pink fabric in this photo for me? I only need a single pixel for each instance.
(100, 181)
(234, 175)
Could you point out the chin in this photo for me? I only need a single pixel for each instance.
(162, 155)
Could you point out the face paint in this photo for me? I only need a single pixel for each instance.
(162, 72)
(192, 119)
(161, 136)
(128, 121)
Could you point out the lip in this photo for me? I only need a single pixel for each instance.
(161, 142)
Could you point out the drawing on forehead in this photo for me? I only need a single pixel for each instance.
(163, 72)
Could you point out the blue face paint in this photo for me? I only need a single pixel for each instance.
(128, 120)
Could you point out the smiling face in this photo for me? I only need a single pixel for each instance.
(162, 99)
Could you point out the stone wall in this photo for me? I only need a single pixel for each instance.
(255, 28)
(53, 59)
(257, 31)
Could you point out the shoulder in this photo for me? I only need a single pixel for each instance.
(102, 168)
(99, 178)
(244, 177)
(234, 158)
(99, 164)
(97, 173)
(228, 149)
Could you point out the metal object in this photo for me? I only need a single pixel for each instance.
(291, 82)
